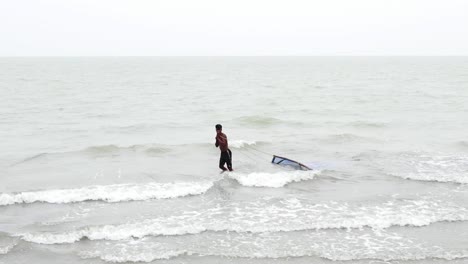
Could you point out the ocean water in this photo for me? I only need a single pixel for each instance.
(109, 160)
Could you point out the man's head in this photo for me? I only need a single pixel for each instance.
(219, 128)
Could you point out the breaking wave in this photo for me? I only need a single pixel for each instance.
(5, 249)
(335, 246)
(7, 243)
(270, 215)
(274, 180)
(439, 168)
(142, 257)
(241, 143)
(109, 193)
(150, 256)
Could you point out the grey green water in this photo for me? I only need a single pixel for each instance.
(113, 160)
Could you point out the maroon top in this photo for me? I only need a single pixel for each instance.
(221, 141)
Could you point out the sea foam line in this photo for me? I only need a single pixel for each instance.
(142, 257)
(4, 250)
(241, 143)
(167, 255)
(438, 168)
(273, 180)
(336, 246)
(7, 243)
(109, 193)
(269, 216)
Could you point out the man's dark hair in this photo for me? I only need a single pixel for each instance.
(219, 127)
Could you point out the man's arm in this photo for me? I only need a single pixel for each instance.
(220, 140)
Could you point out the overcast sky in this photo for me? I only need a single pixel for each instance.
(236, 27)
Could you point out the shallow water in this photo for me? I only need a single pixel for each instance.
(113, 160)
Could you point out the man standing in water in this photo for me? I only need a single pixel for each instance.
(222, 143)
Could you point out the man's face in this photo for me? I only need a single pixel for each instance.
(218, 131)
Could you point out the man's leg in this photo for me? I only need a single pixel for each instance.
(229, 160)
(222, 160)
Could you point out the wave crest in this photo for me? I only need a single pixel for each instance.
(241, 143)
(439, 168)
(274, 180)
(269, 215)
(335, 246)
(109, 193)
(7, 244)
(5, 249)
(142, 257)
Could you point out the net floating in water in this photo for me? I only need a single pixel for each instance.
(289, 163)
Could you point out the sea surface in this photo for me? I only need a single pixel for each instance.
(112, 159)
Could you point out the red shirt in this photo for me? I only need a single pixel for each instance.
(221, 141)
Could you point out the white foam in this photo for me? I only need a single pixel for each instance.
(270, 215)
(241, 143)
(440, 168)
(121, 255)
(109, 193)
(341, 245)
(274, 180)
(8, 245)
(5, 249)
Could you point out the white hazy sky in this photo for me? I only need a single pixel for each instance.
(236, 27)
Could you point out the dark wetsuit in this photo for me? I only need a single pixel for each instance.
(226, 154)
